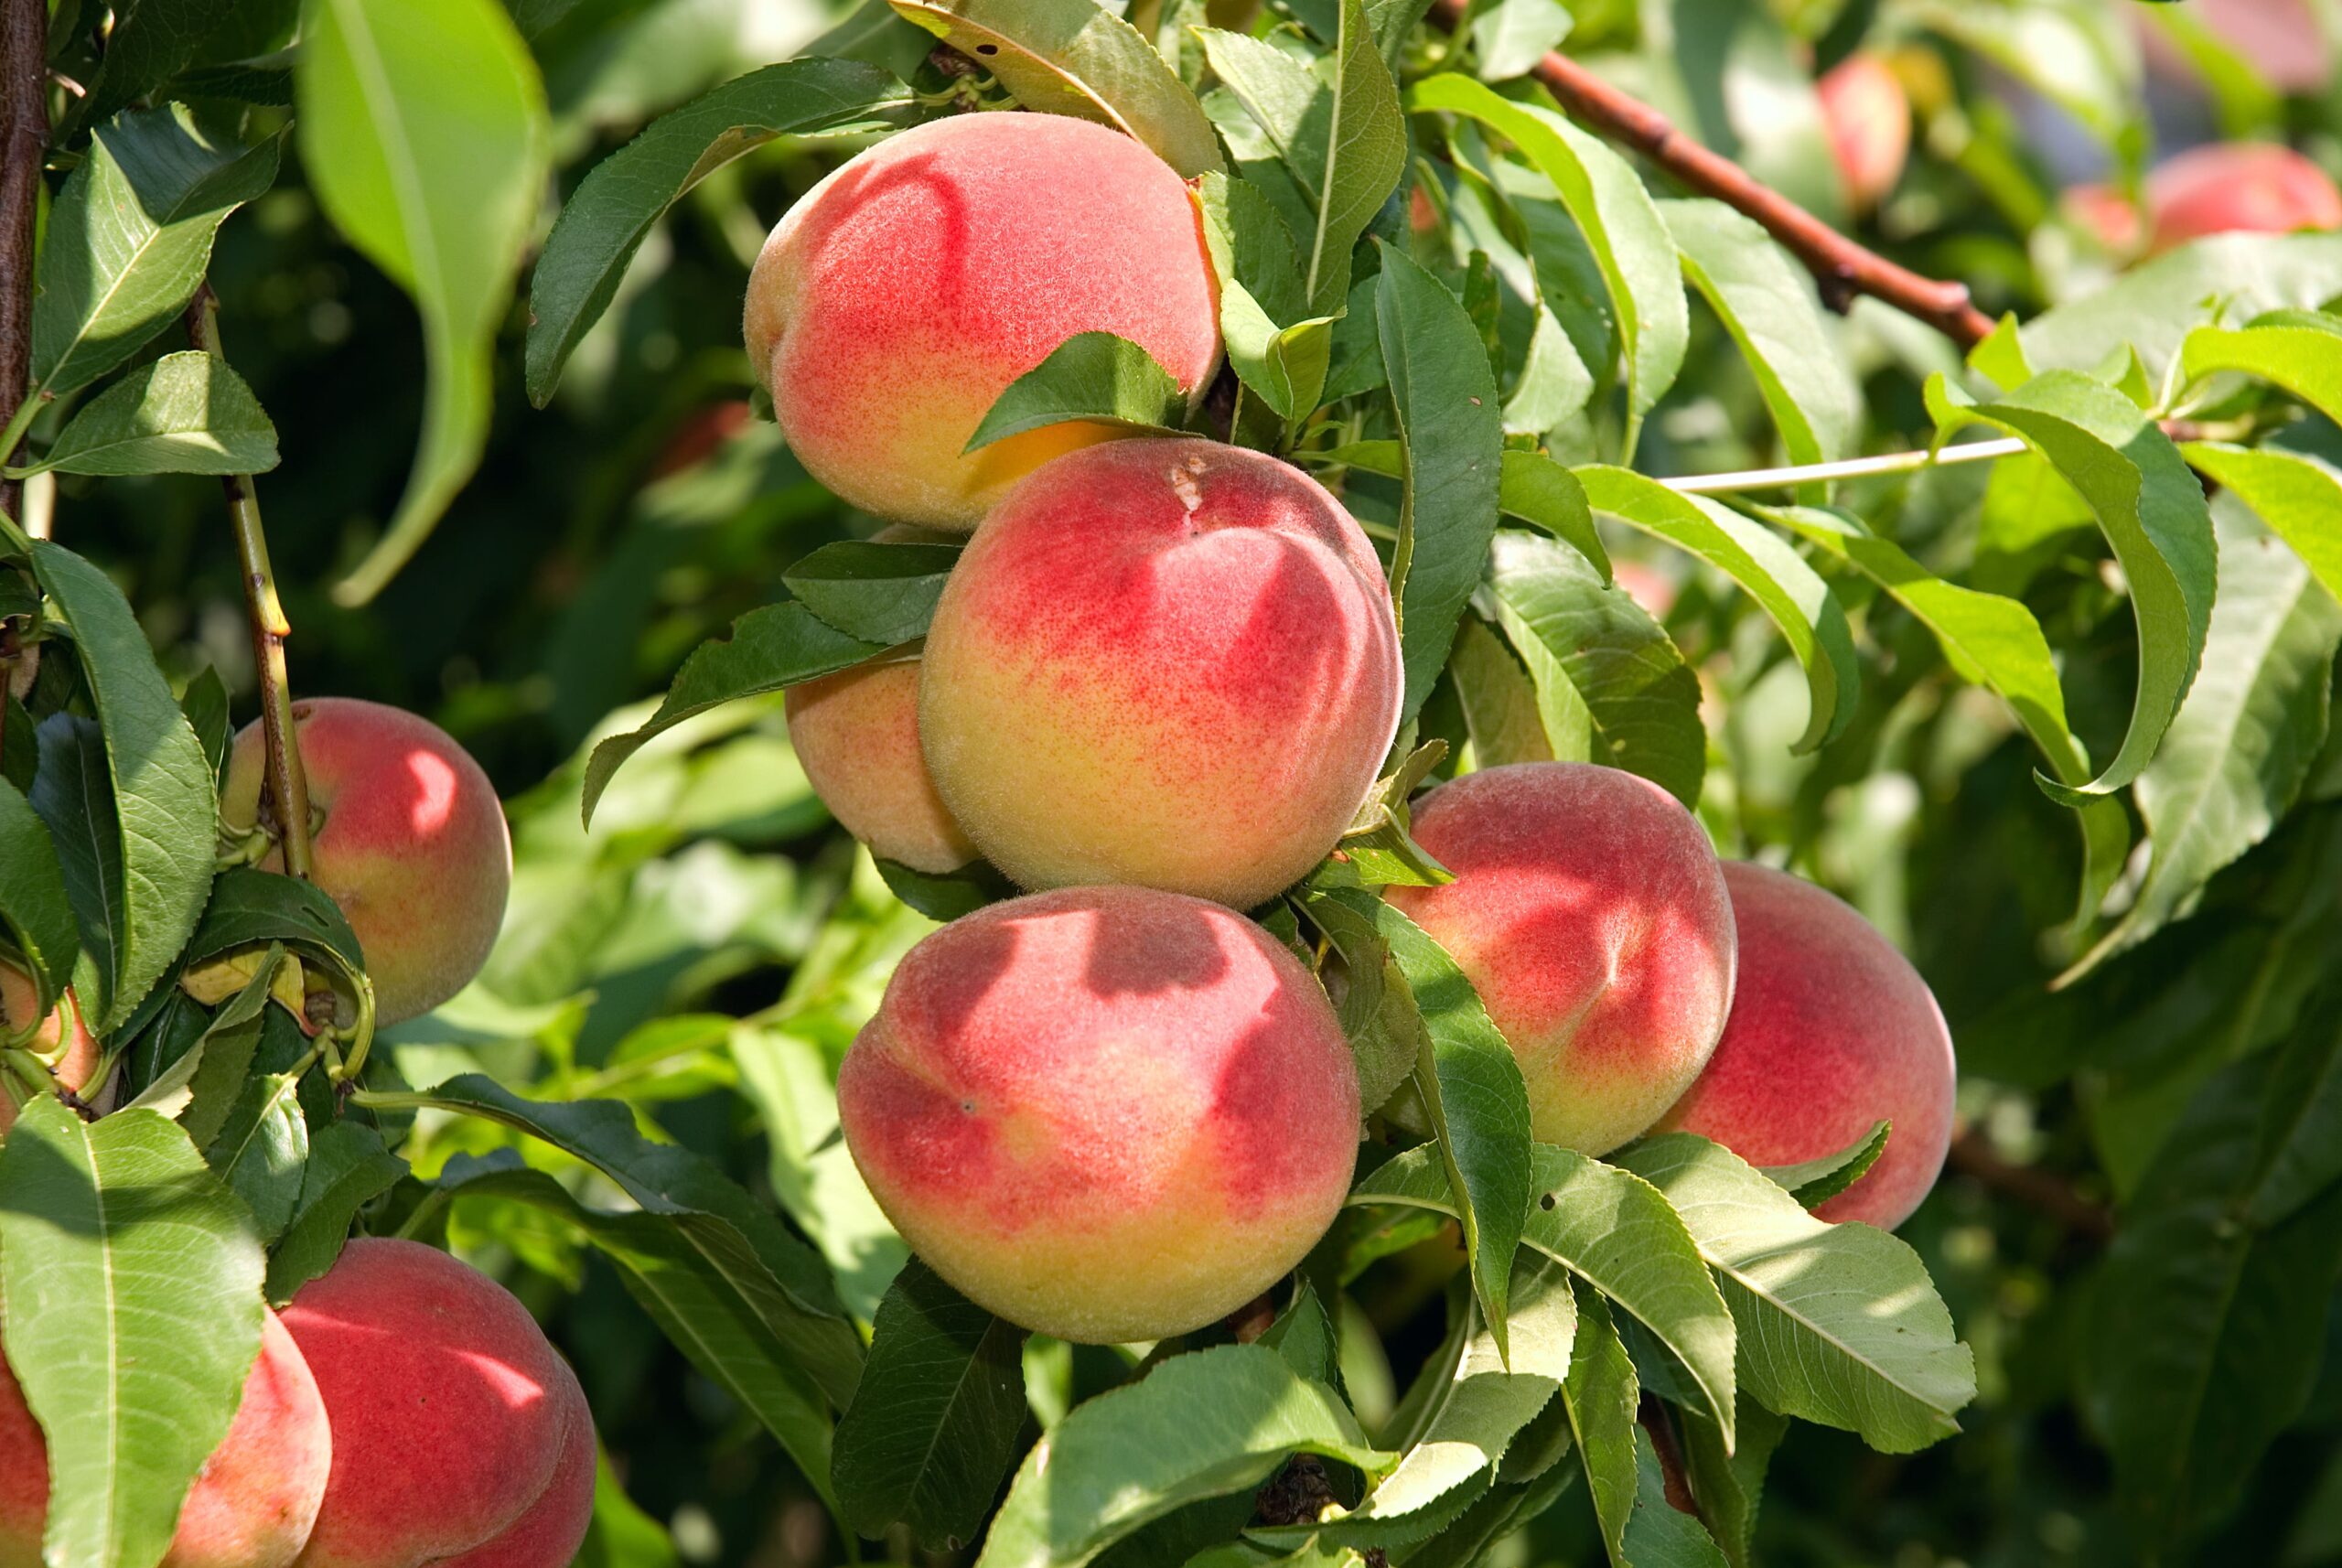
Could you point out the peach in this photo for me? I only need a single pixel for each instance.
(79, 1058)
(408, 839)
(902, 294)
(1832, 1032)
(251, 1503)
(1868, 117)
(460, 1436)
(2229, 187)
(1590, 913)
(1106, 1114)
(1167, 662)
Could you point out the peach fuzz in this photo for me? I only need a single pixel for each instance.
(900, 297)
(1590, 913)
(458, 1434)
(1868, 117)
(2239, 186)
(1832, 1032)
(1106, 1114)
(1167, 662)
(410, 841)
(79, 1057)
(251, 1505)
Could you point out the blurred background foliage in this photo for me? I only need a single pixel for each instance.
(707, 950)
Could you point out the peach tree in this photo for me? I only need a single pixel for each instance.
(1164, 891)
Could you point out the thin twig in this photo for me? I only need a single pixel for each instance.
(23, 146)
(1848, 468)
(1974, 1156)
(1844, 268)
(285, 796)
(1652, 1415)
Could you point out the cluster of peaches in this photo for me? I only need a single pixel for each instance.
(1159, 682)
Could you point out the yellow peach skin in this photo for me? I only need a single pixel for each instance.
(1590, 913)
(1105, 1114)
(1167, 662)
(901, 296)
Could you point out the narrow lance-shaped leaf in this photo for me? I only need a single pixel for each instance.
(1074, 57)
(2299, 351)
(1601, 1396)
(2298, 494)
(2152, 511)
(1089, 376)
(1658, 1534)
(1530, 486)
(422, 126)
(880, 591)
(1730, 1486)
(1815, 1182)
(606, 219)
(34, 904)
(183, 413)
(348, 1168)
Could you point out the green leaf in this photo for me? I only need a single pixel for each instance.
(165, 816)
(423, 127)
(763, 651)
(1837, 1324)
(1378, 1013)
(2300, 354)
(1990, 641)
(2297, 494)
(1729, 1485)
(776, 1277)
(1815, 1182)
(34, 904)
(1530, 486)
(200, 1089)
(1600, 1397)
(2152, 511)
(151, 42)
(348, 1168)
(1451, 438)
(1811, 620)
(1597, 656)
(881, 593)
(1335, 127)
(693, 1296)
(129, 238)
(946, 897)
(133, 1316)
(1621, 223)
(204, 701)
(1277, 349)
(1611, 1229)
(2153, 307)
(2300, 1136)
(1509, 36)
(1200, 1425)
(2234, 760)
(932, 1430)
(605, 220)
(1471, 1085)
(249, 908)
(1766, 301)
(1089, 376)
(1498, 699)
(1657, 1535)
(1071, 57)
(183, 413)
(262, 1148)
(2068, 54)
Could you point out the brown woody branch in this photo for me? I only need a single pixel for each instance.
(1972, 1155)
(24, 147)
(1843, 268)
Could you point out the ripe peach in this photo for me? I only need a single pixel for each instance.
(1168, 662)
(251, 1503)
(1868, 117)
(1106, 1114)
(2239, 186)
(903, 292)
(1831, 1031)
(410, 842)
(460, 1436)
(81, 1057)
(1590, 913)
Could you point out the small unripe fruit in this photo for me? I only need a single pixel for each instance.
(901, 296)
(251, 1504)
(81, 1056)
(1868, 117)
(1165, 662)
(1105, 1114)
(1832, 1032)
(2239, 187)
(1589, 912)
(410, 842)
(460, 1436)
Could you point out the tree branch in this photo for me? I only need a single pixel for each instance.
(24, 147)
(1844, 268)
(1974, 1157)
(286, 793)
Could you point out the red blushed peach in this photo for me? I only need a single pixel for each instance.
(80, 1057)
(856, 733)
(1590, 913)
(460, 1436)
(1868, 117)
(1105, 1114)
(251, 1503)
(2239, 186)
(1832, 1032)
(903, 292)
(1168, 662)
(410, 841)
